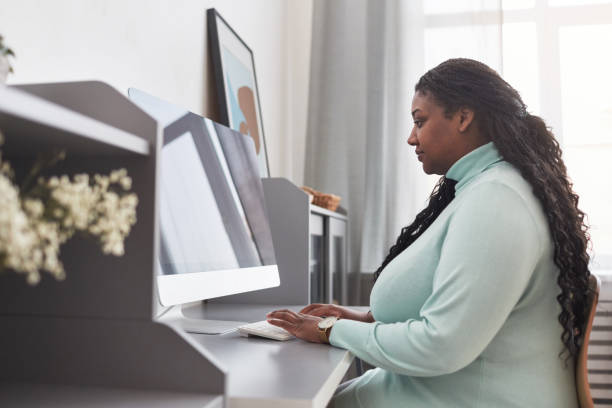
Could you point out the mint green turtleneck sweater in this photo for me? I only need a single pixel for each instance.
(467, 315)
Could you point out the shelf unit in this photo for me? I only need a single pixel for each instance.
(96, 328)
(328, 256)
(310, 243)
(30, 114)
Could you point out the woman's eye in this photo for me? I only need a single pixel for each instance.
(418, 123)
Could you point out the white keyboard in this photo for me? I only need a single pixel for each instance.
(264, 329)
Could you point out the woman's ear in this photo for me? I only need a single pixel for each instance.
(466, 117)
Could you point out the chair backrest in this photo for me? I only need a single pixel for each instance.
(582, 377)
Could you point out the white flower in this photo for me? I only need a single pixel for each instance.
(116, 217)
(34, 208)
(126, 183)
(31, 235)
(27, 243)
(117, 175)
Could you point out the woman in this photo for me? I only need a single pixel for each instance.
(481, 301)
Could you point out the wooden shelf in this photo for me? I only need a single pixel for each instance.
(27, 120)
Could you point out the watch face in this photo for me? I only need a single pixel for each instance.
(327, 322)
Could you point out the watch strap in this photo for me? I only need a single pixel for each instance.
(324, 333)
(327, 333)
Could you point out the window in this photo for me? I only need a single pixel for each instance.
(556, 53)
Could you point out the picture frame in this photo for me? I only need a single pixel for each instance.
(236, 85)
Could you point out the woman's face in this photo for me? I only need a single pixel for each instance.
(436, 138)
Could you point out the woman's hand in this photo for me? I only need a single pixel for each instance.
(301, 325)
(321, 310)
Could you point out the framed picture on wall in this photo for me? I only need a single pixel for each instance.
(236, 83)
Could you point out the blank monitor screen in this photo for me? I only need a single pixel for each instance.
(212, 208)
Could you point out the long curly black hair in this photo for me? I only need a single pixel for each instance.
(524, 141)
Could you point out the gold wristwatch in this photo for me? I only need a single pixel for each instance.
(325, 326)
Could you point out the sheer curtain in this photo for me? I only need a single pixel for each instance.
(366, 58)
(567, 83)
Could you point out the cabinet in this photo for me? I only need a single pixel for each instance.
(327, 256)
(310, 243)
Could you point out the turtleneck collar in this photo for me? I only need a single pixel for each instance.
(472, 164)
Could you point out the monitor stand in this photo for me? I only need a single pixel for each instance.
(175, 317)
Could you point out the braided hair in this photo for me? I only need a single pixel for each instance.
(524, 141)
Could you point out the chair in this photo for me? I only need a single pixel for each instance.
(585, 399)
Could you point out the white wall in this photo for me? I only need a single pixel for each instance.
(161, 46)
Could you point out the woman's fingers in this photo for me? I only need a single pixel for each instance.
(302, 326)
(326, 310)
(284, 314)
(323, 310)
(311, 306)
(318, 309)
(283, 324)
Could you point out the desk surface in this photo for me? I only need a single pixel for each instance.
(261, 373)
(269, 373)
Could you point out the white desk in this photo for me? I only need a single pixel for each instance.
(262, 373)
(268, 373)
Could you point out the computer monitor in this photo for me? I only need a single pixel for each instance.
(215, 239)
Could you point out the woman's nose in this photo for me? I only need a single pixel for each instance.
(412, 139)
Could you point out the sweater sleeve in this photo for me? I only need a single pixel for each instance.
(488, 255)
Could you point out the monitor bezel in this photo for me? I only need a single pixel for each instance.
(190, 287)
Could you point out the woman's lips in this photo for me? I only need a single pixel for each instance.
(420, 156)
